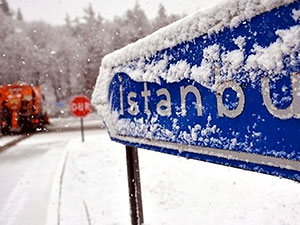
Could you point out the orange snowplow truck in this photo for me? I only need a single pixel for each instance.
(21, 108)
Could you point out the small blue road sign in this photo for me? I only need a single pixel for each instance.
(230, 95)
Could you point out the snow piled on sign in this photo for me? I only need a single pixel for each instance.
(296, 15)
(263, 60)
(270, 59)
(134, 58)
(211, 20)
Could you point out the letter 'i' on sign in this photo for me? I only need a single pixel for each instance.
(226, 92)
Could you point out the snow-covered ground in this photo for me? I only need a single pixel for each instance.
(7, 139)
(55, 179)
(61, 123)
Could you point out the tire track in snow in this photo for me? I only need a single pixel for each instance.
(60, 187)
(87, 212)
(26, 201)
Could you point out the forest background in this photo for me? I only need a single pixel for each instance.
(65, 59)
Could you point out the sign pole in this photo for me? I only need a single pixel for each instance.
(82, 131)
(134, 186)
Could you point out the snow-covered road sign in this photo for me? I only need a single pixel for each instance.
(222, 85)
(80, 106)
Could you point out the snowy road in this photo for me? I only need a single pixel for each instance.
(55, 179)
(6, 139)
(35, 189)
(27, 174)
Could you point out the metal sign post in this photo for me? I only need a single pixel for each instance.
(82, 130)
(134, 186)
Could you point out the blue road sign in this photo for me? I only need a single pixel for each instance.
(230, 97)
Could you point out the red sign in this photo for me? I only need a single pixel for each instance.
(80, 106)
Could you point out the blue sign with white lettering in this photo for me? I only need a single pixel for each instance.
(230, 97)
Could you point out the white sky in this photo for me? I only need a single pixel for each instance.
(54, 11)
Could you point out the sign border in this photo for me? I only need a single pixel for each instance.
(270, 165)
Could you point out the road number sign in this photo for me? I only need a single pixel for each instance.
(80, 106)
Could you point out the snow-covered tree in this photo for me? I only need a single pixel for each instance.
(4, 7)
(19, 15)
(162, 19)
(89, 34)
(66, 58)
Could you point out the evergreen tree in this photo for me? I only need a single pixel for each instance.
(19, 15)
(135, 25)
(90, 34)
(67, 58)
(162, 19)
(89, 14)
(68, 21)
(4, 7)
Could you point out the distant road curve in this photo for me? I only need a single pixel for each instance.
(71, 128)
(15, 139)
